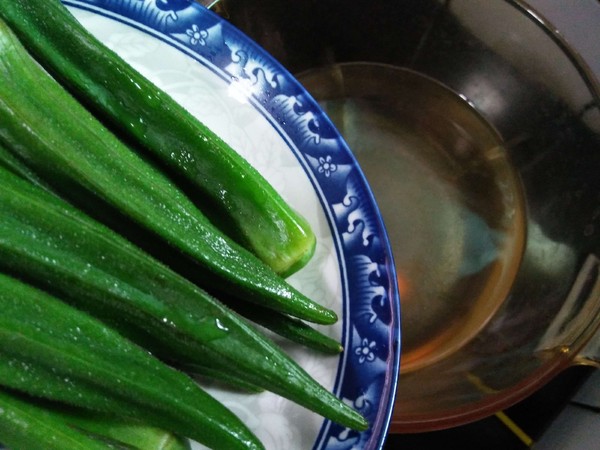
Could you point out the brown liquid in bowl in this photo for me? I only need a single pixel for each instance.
(451, 201)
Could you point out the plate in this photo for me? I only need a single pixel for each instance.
(255, 105)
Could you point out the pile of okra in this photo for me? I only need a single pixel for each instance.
(138, 254)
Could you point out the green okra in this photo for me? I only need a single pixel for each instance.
(54, 351)
(26, 426)
(63, 144)
(48, 242)
(130, 433)
(16, 166)
(288, 327)
(28, 423)
(236, 196)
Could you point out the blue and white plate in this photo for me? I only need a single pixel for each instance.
(255, 105)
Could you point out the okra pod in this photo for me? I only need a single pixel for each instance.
(288, 327)
(63, 144)
(16, 166)
(48, 242)
(130, 433)
(26, 426)
(236, 196)
(52, 350)
(28, 423)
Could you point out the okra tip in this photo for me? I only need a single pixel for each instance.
(356, 421)
(324, 316)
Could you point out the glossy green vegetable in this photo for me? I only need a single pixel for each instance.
(70, 150)
(106, 427)
(26, 426)
(51, 350)
(18, 167)
(52, 244)
(15, 166)
(288, 327)
(28, 423)
(234, 193)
